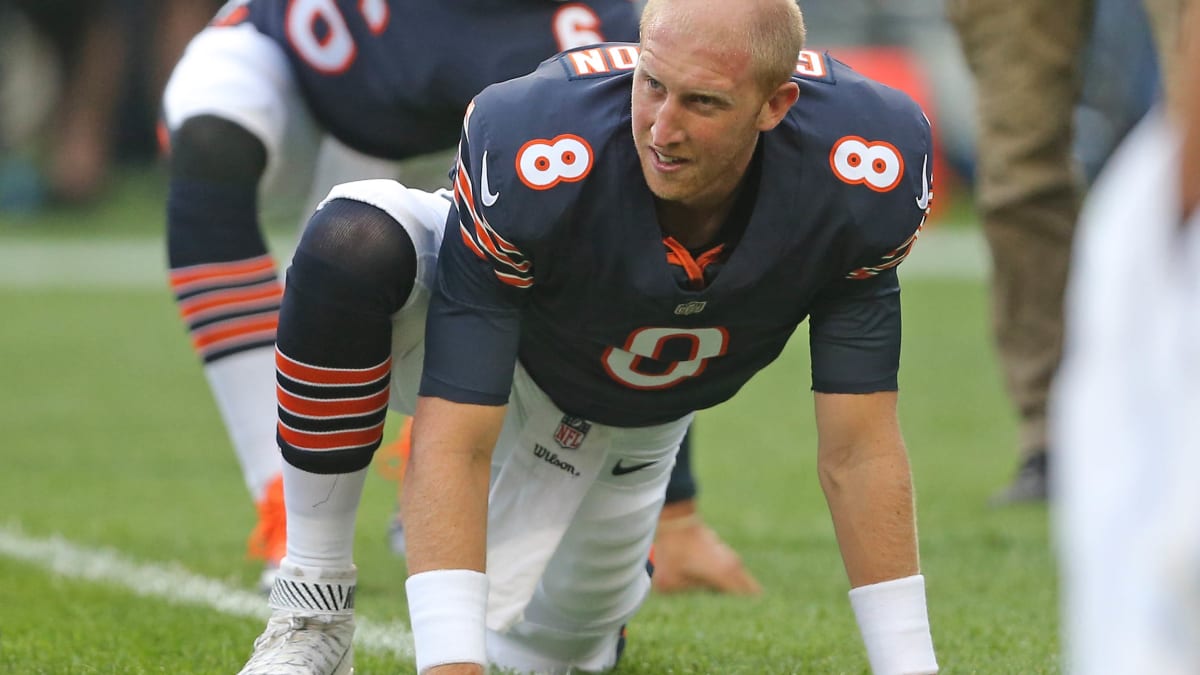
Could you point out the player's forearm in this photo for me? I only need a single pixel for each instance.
(870, 498)
(444, 506)
(871, 502)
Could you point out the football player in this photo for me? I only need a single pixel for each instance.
(249, 106)
(632, 234)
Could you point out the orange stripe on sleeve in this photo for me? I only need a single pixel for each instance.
(233, 18)
(519, 282)
(471, 243)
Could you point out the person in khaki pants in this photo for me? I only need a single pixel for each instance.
(1026, 57)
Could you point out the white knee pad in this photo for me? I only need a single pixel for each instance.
(235, 73)
(241, 75)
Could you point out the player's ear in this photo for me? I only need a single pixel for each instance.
(777, 105)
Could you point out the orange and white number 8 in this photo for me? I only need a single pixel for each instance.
(542, 164)
(876, 164)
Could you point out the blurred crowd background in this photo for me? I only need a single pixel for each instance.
(80, 83)
(79, 88)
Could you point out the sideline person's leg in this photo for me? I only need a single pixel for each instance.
(1025, 57)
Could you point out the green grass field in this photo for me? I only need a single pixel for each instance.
(123, 514)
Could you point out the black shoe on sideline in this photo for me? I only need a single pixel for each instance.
(1030, 486)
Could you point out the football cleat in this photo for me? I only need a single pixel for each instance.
(311, 629)
(268, 541)
(392, 459)
(393, 462)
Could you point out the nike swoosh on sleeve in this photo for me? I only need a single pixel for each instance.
(922, 201)
(486, 195)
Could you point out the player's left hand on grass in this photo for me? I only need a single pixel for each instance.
(457, 669)
(690, 556)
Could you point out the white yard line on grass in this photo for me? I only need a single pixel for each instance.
(941, 253)
(100, 264)
(174, 584)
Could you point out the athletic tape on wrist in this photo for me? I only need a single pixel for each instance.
(894, 623)
(447, 609)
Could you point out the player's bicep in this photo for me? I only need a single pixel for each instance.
(854, 332)
(469, 358)
(473, 327)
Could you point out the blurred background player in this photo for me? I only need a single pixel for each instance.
(1026, 57)
(271, 90)
(1124, 406)
(89, 76)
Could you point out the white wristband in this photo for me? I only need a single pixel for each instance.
(894, 624)
(447, 609)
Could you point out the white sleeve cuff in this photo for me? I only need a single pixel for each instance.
(447, 609)
(894, 623)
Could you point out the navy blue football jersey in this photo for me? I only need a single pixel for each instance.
(391, 78)
(553, 254)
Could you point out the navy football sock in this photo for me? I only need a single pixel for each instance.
(223, 277)
(682, 485)
(353, 269)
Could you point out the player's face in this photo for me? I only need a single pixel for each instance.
(696, 117)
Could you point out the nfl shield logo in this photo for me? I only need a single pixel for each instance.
(571, 432)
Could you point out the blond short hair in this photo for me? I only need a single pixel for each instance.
(773, 33)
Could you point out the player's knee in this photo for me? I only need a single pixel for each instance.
(214, 149)
(368, 247)
(212, 207)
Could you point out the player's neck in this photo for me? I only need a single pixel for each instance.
(694, 226)
(698, 224)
